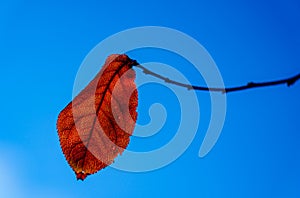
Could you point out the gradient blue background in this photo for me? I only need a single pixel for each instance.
(42, 46)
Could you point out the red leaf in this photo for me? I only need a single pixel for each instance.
(96, 126)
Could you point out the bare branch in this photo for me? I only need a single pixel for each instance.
(288, 81)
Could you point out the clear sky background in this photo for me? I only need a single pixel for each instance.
(43, 43)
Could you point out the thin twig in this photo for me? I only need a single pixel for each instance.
(288, 81)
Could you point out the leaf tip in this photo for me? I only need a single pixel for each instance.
(81, 175)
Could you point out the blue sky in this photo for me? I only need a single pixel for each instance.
(257, 155)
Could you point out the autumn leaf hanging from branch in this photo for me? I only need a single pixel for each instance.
(96, 126)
